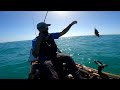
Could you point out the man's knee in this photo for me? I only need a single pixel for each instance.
(48, 63)
(64, 56)
(68, 58)
(50, 71)
(48, 66)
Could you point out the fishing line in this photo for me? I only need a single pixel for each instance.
(34, 26)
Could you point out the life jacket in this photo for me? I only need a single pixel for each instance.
(48, 47)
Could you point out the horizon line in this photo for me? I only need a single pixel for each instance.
(60, 37)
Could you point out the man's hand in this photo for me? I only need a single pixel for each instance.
(74, 22)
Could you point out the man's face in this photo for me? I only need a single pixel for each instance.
(44, 29)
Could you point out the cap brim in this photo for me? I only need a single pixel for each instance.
(48, 24)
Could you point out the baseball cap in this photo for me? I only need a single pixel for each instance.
(41, 25)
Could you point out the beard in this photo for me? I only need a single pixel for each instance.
(45, 32)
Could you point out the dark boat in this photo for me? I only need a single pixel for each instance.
(85, 73)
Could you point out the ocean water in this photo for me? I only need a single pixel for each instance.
(84, 50)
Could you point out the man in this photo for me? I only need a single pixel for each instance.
(45, 49)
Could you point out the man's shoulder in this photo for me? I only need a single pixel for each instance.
(55, 35)
(35, 38)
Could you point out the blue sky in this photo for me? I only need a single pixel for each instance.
(21, 25)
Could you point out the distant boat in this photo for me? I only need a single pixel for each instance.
(96, 32)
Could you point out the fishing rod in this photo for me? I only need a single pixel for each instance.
(34, 22)
(45, 16)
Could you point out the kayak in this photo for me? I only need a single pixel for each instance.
(85, 73)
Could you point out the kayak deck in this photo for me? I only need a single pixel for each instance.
(86, 73)
(94, 73)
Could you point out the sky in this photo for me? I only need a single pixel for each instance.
(21, 25)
